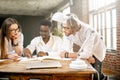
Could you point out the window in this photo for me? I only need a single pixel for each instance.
(102, 16)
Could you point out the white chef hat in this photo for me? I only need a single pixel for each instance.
(58, 16)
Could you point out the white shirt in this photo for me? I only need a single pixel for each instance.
(20, 43)
(67, 44)
(90, 43)
(52, 46)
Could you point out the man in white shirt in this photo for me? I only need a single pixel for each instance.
(89, 41)
(45, 44)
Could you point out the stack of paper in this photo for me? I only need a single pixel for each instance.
(43, 64)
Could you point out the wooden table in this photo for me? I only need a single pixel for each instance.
(15, 70)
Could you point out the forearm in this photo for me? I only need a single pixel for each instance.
(72, 55)
(66, 54)
(18, 50)
(84, 55)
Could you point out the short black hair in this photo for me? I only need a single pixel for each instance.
(45, 23)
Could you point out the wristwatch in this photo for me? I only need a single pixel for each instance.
(47, 53)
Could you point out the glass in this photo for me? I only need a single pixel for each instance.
(15, 30)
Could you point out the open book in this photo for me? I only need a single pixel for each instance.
(39, 58)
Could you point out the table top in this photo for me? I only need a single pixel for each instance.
(10, 66)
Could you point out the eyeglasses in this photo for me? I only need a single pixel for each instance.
(15, 30)
(72, 17)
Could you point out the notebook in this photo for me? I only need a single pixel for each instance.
(43, 64)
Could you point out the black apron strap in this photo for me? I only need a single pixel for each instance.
(98, 66)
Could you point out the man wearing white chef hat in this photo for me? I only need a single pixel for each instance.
(90, 42)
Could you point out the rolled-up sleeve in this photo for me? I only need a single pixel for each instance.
(86, 50)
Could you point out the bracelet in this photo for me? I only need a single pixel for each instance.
(66, 54)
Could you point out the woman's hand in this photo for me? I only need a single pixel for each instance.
(13, 56)
(15, 39)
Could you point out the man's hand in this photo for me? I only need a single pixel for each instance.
(41, 54)
(27, 53)
(91, 60)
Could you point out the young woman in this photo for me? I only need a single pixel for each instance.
(11, 39)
